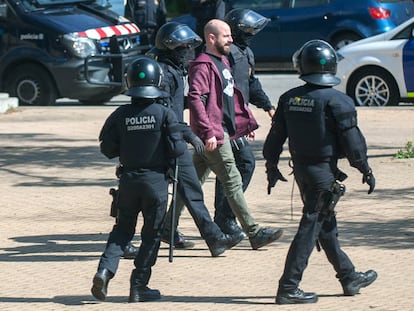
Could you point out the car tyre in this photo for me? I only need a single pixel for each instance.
(341, 40)
(32, 85)
(373, 87)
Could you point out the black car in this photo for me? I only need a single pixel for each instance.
(54, 49)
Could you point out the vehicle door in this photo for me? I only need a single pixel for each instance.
(304, 20)
(266, 44)
(408, 62)
(14, 31)
(5, 28)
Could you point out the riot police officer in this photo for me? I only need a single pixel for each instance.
(321, 126)
(149, 15)
(174, 47)
(244, 24)
(146, 137)
(203, 11)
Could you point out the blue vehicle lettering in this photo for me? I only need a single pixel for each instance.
(408, 67)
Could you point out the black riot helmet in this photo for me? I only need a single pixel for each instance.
(244, 24)
(144, 78)
(173, 35)
(178, 41)
(316, 62)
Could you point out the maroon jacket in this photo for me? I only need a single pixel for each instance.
(205, 101)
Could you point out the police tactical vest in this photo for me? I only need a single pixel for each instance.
(174, 78)
(204, 11)
(242, 63)
(310, 136)
(144, 124)
(142, 12)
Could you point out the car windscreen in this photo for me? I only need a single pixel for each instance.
(406, 33)
(39, 4)
(391, 1)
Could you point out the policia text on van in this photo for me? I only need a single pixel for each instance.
(52, 49)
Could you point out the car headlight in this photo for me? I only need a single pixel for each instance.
(79, 46)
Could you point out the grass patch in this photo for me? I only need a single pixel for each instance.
(407, 152)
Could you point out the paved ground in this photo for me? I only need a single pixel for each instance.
(54, 223)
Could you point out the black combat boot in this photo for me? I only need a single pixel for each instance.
(130, 251)
(100, 283)
(295, 296)
(223, 243)
(179, 240)
(139, 290)
(352, 286)
(229, 226)
(143, 293)
(265, 236)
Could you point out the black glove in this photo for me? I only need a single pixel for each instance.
(198, 145)
(273, 175)
(369, 178)
(119, 170)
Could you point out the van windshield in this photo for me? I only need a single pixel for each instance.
(38, 4)
(391, 1)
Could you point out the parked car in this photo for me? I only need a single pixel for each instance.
(379, 71)
(293, 22)
(52, 49)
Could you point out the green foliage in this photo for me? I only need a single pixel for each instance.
(407, 152)
(177, 7)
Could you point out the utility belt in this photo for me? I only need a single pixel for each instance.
(311, 160)
(238, 143)
(125, 169)
(120, 169)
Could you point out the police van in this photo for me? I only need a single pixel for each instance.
(51, 49)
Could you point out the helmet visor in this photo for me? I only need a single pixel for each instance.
(253, 22)
(295, 60)
(183, 36)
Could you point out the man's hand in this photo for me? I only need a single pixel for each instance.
(273, 175)
(369, 179)
(198, 145)
(271, 113)
(251, 136)
(211, 143)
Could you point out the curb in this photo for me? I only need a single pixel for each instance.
(7, 102)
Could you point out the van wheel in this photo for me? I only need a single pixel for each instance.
(344, 39)
(32, 85)
(373, 87)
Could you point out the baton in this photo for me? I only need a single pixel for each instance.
(173, 204)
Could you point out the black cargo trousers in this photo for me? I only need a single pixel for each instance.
(190, 194)
(312, 179)
(145, 191)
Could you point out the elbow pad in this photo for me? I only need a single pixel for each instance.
(109, 149)
(354, 146)
(273, 145)
(175, 143)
